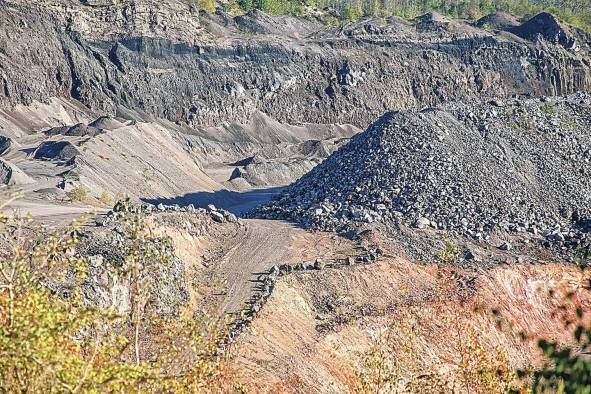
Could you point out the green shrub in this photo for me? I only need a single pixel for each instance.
(245, 5)
(56, 343)
(449, 254)
(207, 6)
(567, 370)
(106, 198)
(548, 109)
(79, 193)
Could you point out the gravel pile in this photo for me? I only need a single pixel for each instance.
(517, 165)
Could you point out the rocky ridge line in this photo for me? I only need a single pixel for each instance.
(292, 70)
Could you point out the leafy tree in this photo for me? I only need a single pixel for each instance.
(54, 342)
(576, 12)
(246, 5)
(568, 370)
(352, 11)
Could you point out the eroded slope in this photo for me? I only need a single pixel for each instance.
(158, 58)
(316, 328)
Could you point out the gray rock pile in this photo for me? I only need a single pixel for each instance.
(515, 166)
(56, 150)
(11, 175)
(497, 20)
(546, 26)
(125, 205)
(78, 130)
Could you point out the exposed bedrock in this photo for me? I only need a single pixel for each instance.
(169, 62)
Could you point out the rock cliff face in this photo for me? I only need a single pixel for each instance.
(164, 59)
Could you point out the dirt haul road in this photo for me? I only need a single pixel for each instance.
(261, 244)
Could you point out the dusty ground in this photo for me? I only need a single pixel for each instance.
(235, 255)
(235, 166)
(311, 335)
(264, 243)
(48, 211)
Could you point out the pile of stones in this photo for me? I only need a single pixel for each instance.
(267, 283)
(517, 165)
(217, 214)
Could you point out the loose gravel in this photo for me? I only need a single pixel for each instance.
(519, 165)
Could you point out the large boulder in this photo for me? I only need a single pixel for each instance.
(56, 150)
(78, 130)
(11, 175)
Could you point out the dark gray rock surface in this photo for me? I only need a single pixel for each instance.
(5, 144)
(161, 58)
(78, 130)
(547, 27)
(515, 166)
(56, 150)
(497, 20)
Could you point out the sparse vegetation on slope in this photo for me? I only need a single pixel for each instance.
(577, 13)
(396, 362)
(54, 339)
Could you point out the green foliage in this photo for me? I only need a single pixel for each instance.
(38, 352)
(449, 254)
(55, 342)
(245, 5)
(280, 7)
(568, 369)
(79, 193)
(106, 198)
(378, 370)
(484, 370)
(207, 5)
(548, 109)
(230, 6)
(352, 11)
(577, 13)
(396, 362)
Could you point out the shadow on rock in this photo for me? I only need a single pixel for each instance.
(236, 202)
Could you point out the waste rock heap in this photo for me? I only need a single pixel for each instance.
(519, 165)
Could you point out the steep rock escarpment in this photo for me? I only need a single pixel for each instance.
(166, 60)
